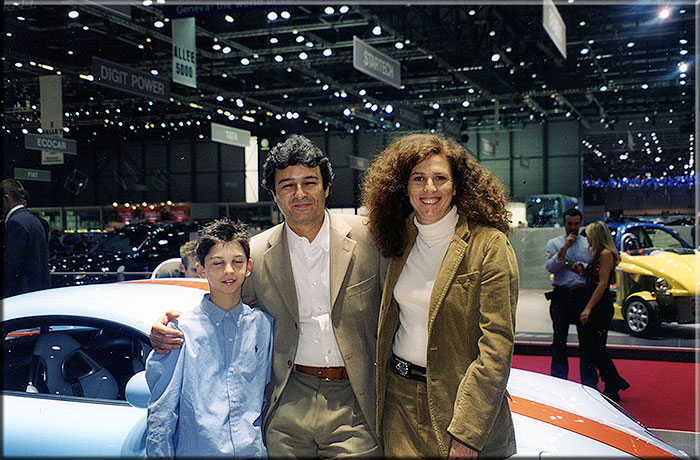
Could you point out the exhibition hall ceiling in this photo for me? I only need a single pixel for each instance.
(278, 69)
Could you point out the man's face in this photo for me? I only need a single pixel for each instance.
(193, 269)
(572, 224)
(300, 195)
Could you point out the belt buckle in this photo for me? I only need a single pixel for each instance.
(401, 368)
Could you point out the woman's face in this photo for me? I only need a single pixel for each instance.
(431, 188)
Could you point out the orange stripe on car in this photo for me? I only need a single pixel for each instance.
(586, 427)
(181, 282)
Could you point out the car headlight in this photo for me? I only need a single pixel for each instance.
(661, 285)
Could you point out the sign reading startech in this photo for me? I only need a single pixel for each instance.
(133, 81)
(50, 143)
(374, 63)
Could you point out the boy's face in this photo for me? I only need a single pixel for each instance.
(226, 267)
(193, 268)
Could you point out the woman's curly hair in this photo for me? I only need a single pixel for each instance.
(479, 194)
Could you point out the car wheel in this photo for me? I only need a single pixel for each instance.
(641, 317)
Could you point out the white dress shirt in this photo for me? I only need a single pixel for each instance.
(311, 267)
(415, 285)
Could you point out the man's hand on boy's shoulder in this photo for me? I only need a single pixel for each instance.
(164, 338)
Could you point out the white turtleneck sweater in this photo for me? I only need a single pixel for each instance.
(415, 284)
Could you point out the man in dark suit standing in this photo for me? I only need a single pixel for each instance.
(25, 249)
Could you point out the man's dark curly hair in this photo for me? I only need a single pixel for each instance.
(479, 194)
(296, 150)
(222, 231)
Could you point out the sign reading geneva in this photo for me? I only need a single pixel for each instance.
(125, 78)
(374, 63)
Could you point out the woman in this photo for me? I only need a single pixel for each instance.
(598, 312)
(446, 324)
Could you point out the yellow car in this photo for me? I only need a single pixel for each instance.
(657, 278)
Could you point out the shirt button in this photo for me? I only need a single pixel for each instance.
(235, 428)
(230, 339)
(234, 399)
(314, 283)
(217, 324)
(230, 369)
(329, 352)
(226, 314)
(238, 323)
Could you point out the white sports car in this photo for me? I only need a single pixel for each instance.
(73, 381)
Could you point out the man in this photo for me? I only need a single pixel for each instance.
(567, 256)
(318, 275)
(25, 249)
(190, 266)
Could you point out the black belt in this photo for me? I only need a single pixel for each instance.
(572, 290)
(406, 369)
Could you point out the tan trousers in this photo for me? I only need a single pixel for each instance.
(316, 418)
(406, 427)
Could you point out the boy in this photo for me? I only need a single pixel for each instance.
(207, 398)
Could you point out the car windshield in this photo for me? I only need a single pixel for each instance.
(123, 241)
(646, 239)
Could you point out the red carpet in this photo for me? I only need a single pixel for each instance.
(661, 395)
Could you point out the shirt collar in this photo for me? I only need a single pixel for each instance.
(322, 240)
(215, 313)
(9, 213)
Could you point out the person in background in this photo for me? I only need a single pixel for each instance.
(83, 245)
(447, 317)
(56, 247)
(319, 275)
(25, 249)
(190, 266)
(566, 257)
(207, 398)
(595, 317)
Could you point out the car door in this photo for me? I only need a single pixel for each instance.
(64, 382)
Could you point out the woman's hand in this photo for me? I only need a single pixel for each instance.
(583, 318)
(164, 338)
(459, 450)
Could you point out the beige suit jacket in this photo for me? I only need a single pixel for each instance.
(470, 338)
(355, 285)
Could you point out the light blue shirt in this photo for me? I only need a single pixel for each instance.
(578, 252)
(207, 398)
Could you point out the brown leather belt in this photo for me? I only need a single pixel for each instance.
(328, 373)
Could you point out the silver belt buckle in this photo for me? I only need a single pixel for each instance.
(401, 368)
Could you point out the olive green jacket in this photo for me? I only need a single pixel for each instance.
(471, 329)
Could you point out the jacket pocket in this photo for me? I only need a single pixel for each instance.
(361, 287)
(467, 279)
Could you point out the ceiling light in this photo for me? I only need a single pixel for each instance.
(603, 88)
(226, 50)
(147, 2)
(279, 58)
(245, 61)
(645, 86)
(73, 14)
(154, 72)
(228, 18)
(509, 49)
(683, 41)
(472, 12)
(492, 33)
(436, 106)
(18, 64)
(630, 44)
(325, 87)
(665, 12)
(585, 51)
(389, 108)
(683, 66)
(239, 102)
(346, 112)
(300, 38)
(274, 40)
(158, 24)
(582, 23)
(303, 56)
(309, 44)
(285, 14)
(374, 107)
(327, 52)
(398, 45)
(362, 92)
(377, 30)
(220, 98)
(495, 57)
(368, 105)
(466, 103)
(271, 16)
(329, 10)
(344, 9)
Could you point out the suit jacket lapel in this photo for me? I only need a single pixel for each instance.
(448, 268)
(278, 270)
(341, 250)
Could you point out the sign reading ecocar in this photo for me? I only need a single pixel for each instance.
(54, 144)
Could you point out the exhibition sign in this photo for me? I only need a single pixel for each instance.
(554, 25)
(408, 116)
(32, 174)
(374, 63)
(184, 52)
(54, 144)
(133, 81)
(228, 135)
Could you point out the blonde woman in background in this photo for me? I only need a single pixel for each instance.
(598, 312)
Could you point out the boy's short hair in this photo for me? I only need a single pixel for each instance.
(222, 231)
(188, 250)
